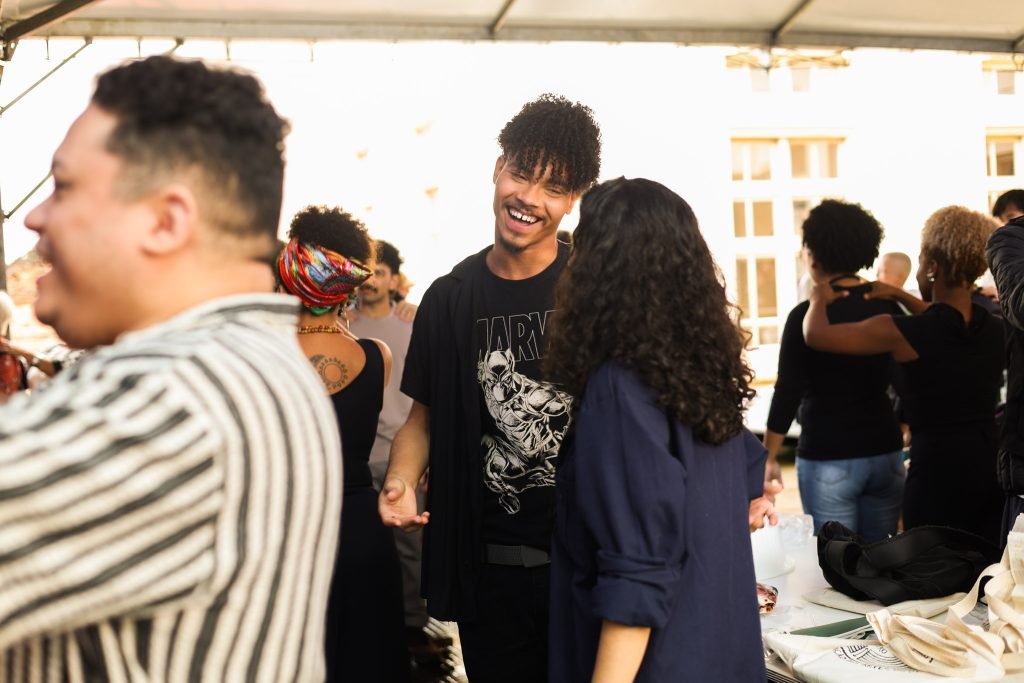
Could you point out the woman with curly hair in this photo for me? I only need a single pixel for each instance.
(849, 458)
(328, 256)
(652, 573)
(950, 367)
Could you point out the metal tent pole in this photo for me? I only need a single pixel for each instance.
(9, 36)
(5, 215)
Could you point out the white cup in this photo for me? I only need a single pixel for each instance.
(769, 555)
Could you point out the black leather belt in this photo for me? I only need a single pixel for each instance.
(516, 555)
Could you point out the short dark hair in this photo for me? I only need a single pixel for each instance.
(388, 254)
(334, 229)
(1014, 198)
(553, 131)
(175, 115)
(843, 237)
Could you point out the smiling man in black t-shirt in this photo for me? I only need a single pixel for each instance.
(483, 418)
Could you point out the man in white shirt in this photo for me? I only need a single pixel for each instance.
(169, 506)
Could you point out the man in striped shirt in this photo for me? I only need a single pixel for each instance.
(168, 506)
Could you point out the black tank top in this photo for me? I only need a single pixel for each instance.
(358, 408)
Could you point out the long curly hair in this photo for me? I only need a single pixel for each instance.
(956, 237)
(642, 289)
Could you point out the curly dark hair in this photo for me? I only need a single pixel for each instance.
(387, 254)
(661, 312)
(1010, 198)
(842, 237)
(553, 131)
(176, 115)
(335, 229)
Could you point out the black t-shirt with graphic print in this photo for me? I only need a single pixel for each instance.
(524, 419)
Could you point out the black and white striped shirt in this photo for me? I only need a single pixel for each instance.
(169, 507)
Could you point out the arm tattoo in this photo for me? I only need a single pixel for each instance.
(332, 371)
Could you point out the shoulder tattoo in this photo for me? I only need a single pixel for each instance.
(332, 371)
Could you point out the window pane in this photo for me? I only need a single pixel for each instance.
(801, 207)
(767, 301)
(1004, 157)
(759, 80)
(737, 161)
(828, 162)
(742, 288)
(760, 160)
(801, 79)
(769, 335)
(798, 152)
(739, 219)
(1005, 82)
(763, 226)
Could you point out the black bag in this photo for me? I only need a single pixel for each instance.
(924, 562)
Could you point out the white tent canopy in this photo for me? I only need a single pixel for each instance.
(980, 25)
(988, 26)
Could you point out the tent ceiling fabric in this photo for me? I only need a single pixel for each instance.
(980, 25)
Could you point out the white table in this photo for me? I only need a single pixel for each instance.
(791, 610)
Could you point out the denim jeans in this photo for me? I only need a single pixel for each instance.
(862, 494)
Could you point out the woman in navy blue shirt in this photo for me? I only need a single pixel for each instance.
(652, 577)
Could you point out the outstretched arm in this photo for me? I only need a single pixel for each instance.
(409, 457)
(877, 334)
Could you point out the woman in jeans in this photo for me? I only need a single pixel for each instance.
(951, 361)
(849, 458)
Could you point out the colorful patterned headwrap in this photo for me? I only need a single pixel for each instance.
(321, 278)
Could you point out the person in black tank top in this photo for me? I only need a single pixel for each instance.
(323, 264)
(358, 406)
(366, 617)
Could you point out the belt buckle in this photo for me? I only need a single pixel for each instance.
(534, 557)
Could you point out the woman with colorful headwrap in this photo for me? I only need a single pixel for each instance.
(325, 261)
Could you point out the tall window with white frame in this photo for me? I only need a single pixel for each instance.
(1004, 155)
(775, 183)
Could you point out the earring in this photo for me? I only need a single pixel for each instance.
(931, 277)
